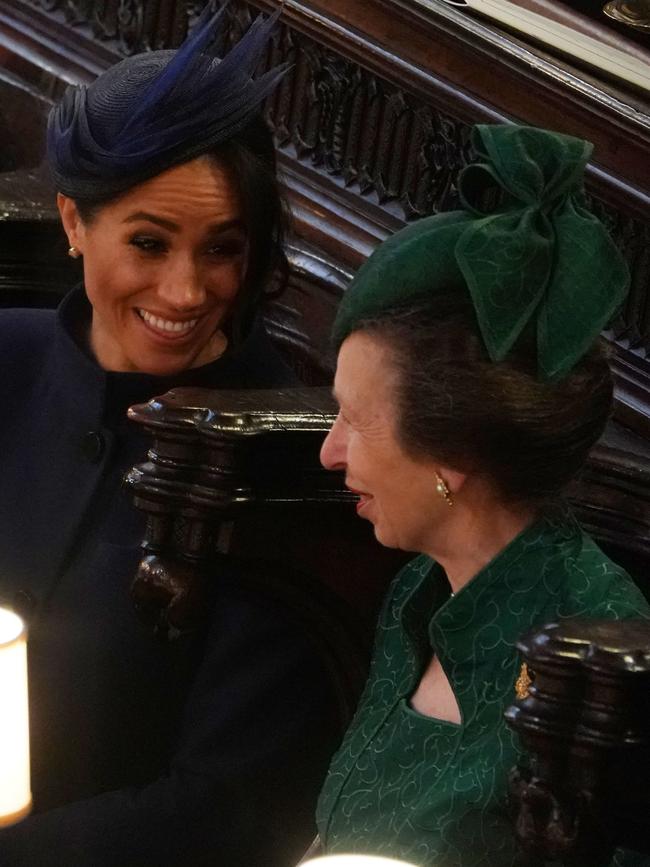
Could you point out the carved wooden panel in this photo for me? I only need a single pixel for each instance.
(249, 460)
(329, 112)
(237, 473)
(632, 327)
(300, 320)
(373, 126)
(584, 723)
(128, 26)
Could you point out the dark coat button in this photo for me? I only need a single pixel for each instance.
(93, 446)
(24, 604)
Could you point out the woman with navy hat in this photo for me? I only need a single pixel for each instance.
(210, 749)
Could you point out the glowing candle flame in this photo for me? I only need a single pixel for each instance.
(354, 861)
(15, 794)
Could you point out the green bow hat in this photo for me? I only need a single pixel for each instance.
(538, 257)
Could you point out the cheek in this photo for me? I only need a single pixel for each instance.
(424, 506)
(408, 494)
(109, 279)
(225, 281)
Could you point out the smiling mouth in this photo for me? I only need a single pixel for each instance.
(167, 327)
(364, 498)
(356, 491)
(362, 502)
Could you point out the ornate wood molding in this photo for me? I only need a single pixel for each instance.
(584, 723)
(238, 473)
(220, 457)
(373, 125)
(234, 481)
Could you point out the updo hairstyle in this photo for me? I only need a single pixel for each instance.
(455, 405)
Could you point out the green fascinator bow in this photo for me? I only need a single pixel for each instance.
(537, 258)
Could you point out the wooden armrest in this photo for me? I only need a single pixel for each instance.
(585, 726)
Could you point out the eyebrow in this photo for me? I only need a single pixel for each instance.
(171, 226)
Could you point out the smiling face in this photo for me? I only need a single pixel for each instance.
(397, 492)
(162, 266)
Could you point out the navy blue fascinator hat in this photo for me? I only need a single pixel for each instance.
(156, 110)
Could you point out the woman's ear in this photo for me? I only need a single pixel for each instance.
(454, 479)
(72, 223)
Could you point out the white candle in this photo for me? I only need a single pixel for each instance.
(15, 793)
(354, 861)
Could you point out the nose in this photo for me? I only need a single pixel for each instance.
(333, 453)
(181, 285)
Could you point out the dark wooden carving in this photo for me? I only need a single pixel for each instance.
(34, 268)
(372, 127)
(372, 124)
(612, 500)
(230, 471)
(236, 475)
(301, 319)
(585, 726)
(365, 132)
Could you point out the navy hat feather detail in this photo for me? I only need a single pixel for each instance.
(157, 109)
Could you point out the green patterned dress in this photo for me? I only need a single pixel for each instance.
(433, 792)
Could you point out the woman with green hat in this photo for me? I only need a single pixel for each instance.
(471, 388)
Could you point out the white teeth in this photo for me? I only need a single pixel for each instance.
(166, 324)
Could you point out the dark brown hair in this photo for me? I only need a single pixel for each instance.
(529, 437)
(249, 156)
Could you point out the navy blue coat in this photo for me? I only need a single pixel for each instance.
(207, 750)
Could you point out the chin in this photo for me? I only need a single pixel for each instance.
(157, 366)
(389, 539)
(385, 539)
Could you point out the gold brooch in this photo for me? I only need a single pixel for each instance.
(523, 682)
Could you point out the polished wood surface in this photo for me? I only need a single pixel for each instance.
(372, 122)
(372, 125)
(250, 460)
(235, 476)
(585, 725)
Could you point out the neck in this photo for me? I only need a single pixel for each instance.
(474, 535)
